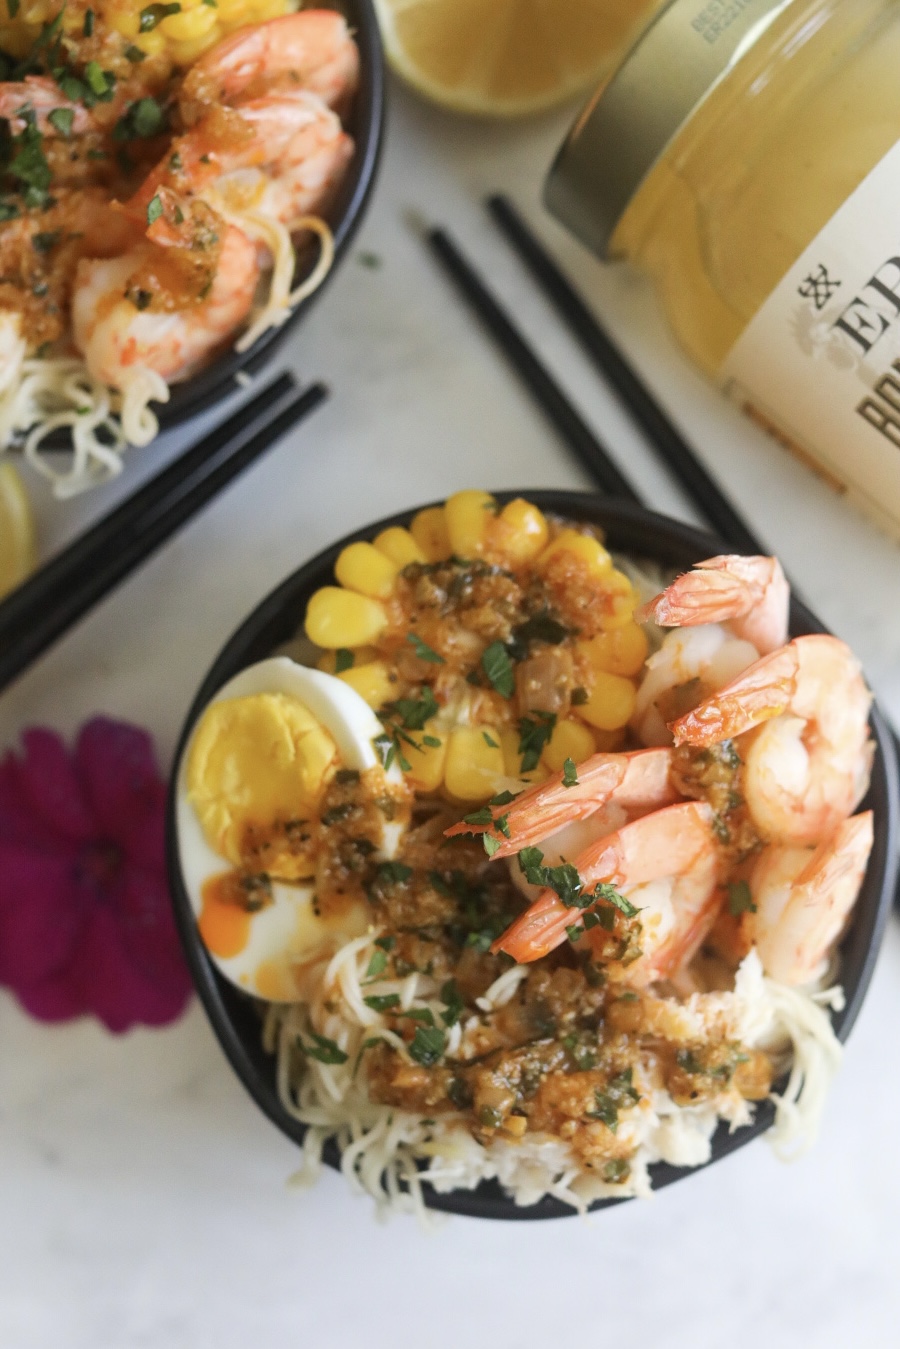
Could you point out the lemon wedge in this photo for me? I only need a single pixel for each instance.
(504, 57)
(17, 542)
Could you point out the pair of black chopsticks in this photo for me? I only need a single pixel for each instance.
(663, 436)
(43, 607)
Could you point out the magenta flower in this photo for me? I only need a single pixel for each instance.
(85, 919)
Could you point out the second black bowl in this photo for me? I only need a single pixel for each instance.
(630, 530)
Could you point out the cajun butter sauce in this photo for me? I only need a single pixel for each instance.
(224, 921)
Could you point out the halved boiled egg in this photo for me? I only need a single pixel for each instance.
(281, 756)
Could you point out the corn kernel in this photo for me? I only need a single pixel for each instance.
(186, 53)
(400, 546)
(426, 764)
(619, 602)
(151, 43)
(512, 759)
(372, 681)
(429, 529)
(363, 568)
(611, 702)
(621, 651)
(520, 531)
(473, 766)
(189, 24)
(336, 617)
(468, 516)
(583, 546)
(327, 662)
(570, 740)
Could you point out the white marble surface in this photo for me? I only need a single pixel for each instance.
(142, 1196)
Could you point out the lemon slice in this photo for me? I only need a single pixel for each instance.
(17, 545)
(504, 57)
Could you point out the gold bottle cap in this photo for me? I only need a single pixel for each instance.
(684, 53)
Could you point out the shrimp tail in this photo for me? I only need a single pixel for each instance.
(751, 594)
(638, 780)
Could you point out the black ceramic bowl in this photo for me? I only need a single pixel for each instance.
(630, 530)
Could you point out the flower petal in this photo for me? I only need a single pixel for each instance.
(116, 990)
(59, 997)
(117, 767)
(50, 786)
(40, 914)
(18, 824)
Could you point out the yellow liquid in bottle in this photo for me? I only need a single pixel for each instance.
(763, 165)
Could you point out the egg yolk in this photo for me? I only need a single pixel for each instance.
(256, 772)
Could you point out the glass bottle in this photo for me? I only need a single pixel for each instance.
(745, 155)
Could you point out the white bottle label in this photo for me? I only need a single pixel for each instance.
(820, 361)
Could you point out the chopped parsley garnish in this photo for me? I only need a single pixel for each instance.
(9, 210)
(431, 741)
(338, 813)
(423, 651)
(154, 210)
(46, 241)
(609, 892)
(504, 798)
(323, 1049)
(87, 28)
(489, 740)
(386, 943)
(428, 1045)
(616, 1171)
(143, 119)
(346, 776)
(564, 879)
(100, 82)
(394, 873)
(620, 1092)
(497, 666)
(541, 627)
(482, 816)
(134, 54)
(154, 14)
(29, 163)
(740, 900)
(413, 712)
(570, 774)
(343, 659)
(423, 1014)
(382, 1002)
(377, 965)
(580, 696)
(534, 733)
(62, 119)
(453, 1001)
(12, 7)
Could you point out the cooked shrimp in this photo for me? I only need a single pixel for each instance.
(636, 782)
(288, 153)
(310, 50)
(807, 768)
(667, 864)
(120, 341)
(803, 898)
(750, 594)
(42, 96)
(690, 664)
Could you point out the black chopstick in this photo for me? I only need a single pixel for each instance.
(57, 595)
(537, 379)
(662, 433)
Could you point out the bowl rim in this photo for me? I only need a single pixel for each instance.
(618, 518)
